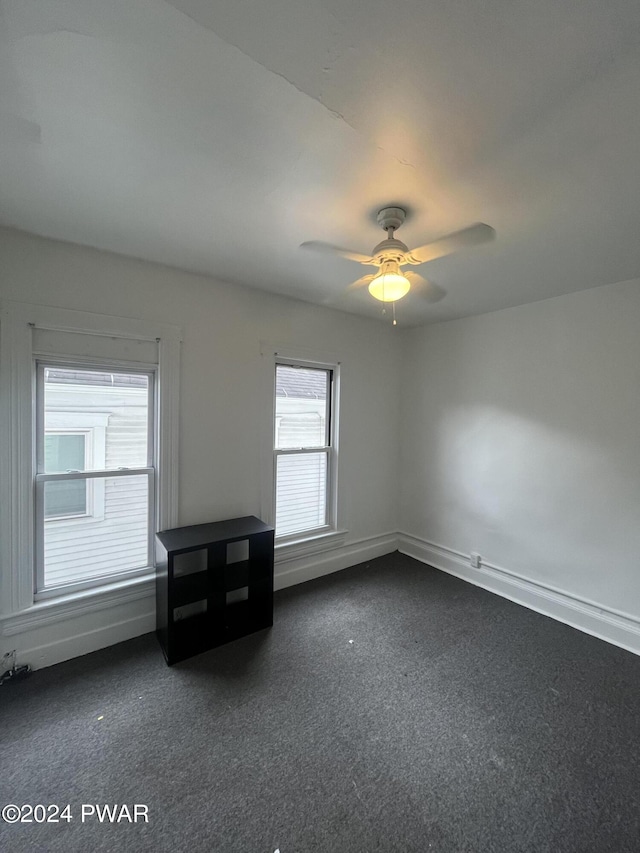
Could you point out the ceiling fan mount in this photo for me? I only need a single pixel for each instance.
(390, 249)
(391, 217)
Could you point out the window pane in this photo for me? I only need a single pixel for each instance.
(64, 453)
(111, 540)
(111, 409)
(65, 498)
(301, 492)
(301, 407)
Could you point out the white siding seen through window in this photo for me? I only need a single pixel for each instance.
(303, 441)
(93, 423)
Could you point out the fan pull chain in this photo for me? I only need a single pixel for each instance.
(394, 314)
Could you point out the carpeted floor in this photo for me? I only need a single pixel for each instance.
(390, 708)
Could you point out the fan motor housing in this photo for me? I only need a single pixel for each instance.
(390, 250)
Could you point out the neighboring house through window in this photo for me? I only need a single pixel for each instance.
(66, 451)
(95, 501)
(304, 448)
(73, 441)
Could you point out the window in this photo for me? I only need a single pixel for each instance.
(126, 353)
(65, 451)
(304, 449)
(95, 477)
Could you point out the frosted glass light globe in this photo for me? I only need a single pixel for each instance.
(389, 286)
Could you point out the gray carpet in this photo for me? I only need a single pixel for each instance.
(455, 721)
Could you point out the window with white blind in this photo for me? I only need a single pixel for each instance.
(304, 448)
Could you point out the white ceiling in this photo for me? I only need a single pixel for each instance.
(218, 135)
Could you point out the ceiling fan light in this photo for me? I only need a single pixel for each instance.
(390, 285)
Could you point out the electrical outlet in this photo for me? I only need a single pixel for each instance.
(475, 560)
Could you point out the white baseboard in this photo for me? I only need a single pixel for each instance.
(48, 635)
(56, 630)
(45, 642)
(621, 629)
(73, 646)
(290, 571)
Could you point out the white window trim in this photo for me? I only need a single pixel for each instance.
(17, 395)
(334, 534)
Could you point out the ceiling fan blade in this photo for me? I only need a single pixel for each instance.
(361, 282)
(424, 288)
(474, 235)
(328, 248)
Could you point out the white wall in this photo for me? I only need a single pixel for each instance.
(521, 441)
(519, 434)
(222, 417)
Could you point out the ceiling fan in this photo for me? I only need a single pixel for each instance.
(391, 283)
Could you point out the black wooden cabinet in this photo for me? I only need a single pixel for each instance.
(214, 583)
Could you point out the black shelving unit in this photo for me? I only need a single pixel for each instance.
(214, 583)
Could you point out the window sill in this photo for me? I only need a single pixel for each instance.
(72, 605)
(308, 545)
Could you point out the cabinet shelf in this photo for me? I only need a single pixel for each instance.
(192, 567)
(186, 590)
(237, 575)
